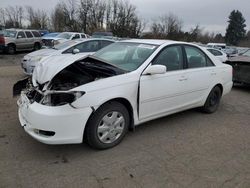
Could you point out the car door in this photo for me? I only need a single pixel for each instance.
(162, 93)
(21, 42)
(200, 74)
(30, 39)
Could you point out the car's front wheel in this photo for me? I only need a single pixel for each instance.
(107, 126)
(213, 100)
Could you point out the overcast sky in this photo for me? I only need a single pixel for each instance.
(209, 14)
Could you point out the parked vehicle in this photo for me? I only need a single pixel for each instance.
(47, 38)
(219, 46)
(219, 54)
(14, 40)
(102, 35)
(77, 48)
(43, 32)
(241, 68)
(100, 97)
(231, 51)
(63, 37)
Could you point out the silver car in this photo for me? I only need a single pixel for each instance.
(78, 47)
(13, 40)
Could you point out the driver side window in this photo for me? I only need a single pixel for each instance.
(171, 57)
(21, 34)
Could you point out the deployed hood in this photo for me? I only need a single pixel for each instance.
(43, 52)
(49, 67)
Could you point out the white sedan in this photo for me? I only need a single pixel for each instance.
(219, 54)
(78, 48)
(101, 97)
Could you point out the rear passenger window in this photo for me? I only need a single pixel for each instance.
(196, 58)
(28, 34)
(21, 34)
(83, 36)
(36, 34)
(171, 57)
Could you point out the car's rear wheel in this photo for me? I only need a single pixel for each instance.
(107, 126)
(37, 46)
(213, 100)
(11, 49)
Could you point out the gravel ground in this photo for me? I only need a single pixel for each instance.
(188, 149)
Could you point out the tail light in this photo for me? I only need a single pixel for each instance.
(2, 40)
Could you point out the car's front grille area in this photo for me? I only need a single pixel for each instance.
(47, 42)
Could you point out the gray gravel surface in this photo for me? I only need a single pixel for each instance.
(188, 149)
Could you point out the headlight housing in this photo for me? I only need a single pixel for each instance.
(55, 42)
(36, 58)
(56, 98)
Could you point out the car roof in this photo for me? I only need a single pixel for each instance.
(150, 41)
(90, 39)
(74, 32)
(157, 42)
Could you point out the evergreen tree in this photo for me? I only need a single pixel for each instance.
(236, 28)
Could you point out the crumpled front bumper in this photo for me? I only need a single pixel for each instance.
(66, 122)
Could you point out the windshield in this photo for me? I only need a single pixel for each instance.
(126, 55)
(64, 45)
(9, 33)
(247, 53)
(65, 35)
(51, 35)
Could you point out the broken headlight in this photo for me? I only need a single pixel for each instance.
(61, 98)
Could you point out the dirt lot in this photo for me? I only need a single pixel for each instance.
(189, 149)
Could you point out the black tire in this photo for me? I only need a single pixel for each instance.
(91, 130)
(213, 101)
(37, 46)
(11, 49)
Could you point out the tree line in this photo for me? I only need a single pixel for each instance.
(121, 18)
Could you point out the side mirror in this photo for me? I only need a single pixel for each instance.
(155, 69)
(19, 36)
(76, 51)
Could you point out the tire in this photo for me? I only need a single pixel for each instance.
(11, 49)
(107, 126)
(37, 46)
(213, 101)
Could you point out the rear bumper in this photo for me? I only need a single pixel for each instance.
(227, 88)
(65, 122)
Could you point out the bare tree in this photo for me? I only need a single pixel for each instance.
(122, 20)
(167, 26)
(38, 19)
(2, 16)
(14, 16)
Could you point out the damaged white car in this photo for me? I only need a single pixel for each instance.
(100, 97)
